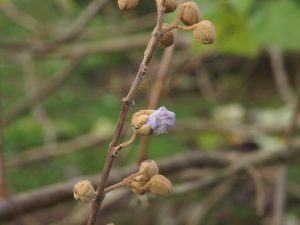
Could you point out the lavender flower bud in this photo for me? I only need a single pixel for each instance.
(161, 120)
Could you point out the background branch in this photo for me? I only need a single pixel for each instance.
(29, 201)
(42, 92)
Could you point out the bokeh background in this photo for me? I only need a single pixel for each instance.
(65, 68)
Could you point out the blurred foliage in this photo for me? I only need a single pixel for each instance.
(244, 29)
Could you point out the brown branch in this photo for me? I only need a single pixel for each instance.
(281, 178)
(3, 189)
(22, 19)
(198, 213)
(156, 93)
(63, 148)
(44, 91)
(38, 111)
(127, 101)
(204, 82)
(76, 28)
(259, 188)
(29, 201)
(280, 75)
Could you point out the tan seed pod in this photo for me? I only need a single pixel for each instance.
(138, 187)
(168, 37)
(127, 5)
(160, 185)
(190, 13)
(84, 191)
(149, 169)
(170, 6)
(139, 122)
(205, 32)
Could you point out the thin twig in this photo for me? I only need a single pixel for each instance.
(280, 75)
(22, 19)
(156, 93)
(259, 188)
(44, 91)
(30, 201)
(34, 155)
(281, 178)
(38, 110)
(198, 214)
(127, 101)
(3, 189)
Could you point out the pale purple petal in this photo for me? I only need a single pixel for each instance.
(161, 120)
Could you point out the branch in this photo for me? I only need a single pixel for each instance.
(281, 178)
(49, 87)
(280, 75)
(73, 32)
(63, 148)
(22, 19)
(3, 190)
(156, 93)
(29, 201)
(127, 101)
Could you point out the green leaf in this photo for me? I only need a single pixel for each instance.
(277, 23)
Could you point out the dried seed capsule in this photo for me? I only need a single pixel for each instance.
(138, 187)
(149, 169)
(128, 4)
(190, 13)
(168, 38)
(170, 6)
(205, 32)
(84, 191)
(160, 185)
(139, 122)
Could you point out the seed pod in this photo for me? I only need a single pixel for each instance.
(139, 122)
(127, 5)
(190, 13)
(170, 6)
(205, 32)
(168, 38)
(160, 185)
(149, 169)
(138, 187)
(84, 191)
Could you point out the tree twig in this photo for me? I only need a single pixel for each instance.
(280, 75)
(3, 188)
(44, 91)
(259, 188)
(29, 201)
(39, 153)
(22, 19)
(156, 93)
(127, 101)
(281, 178)
(38, 111)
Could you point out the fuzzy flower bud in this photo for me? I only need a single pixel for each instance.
(168, 37)
(161, 120)
(160, 185)
(205, 32)
(84, 191)
(190, 13)
(147, 122)
(128, 4)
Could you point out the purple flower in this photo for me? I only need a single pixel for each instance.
(161, 120)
